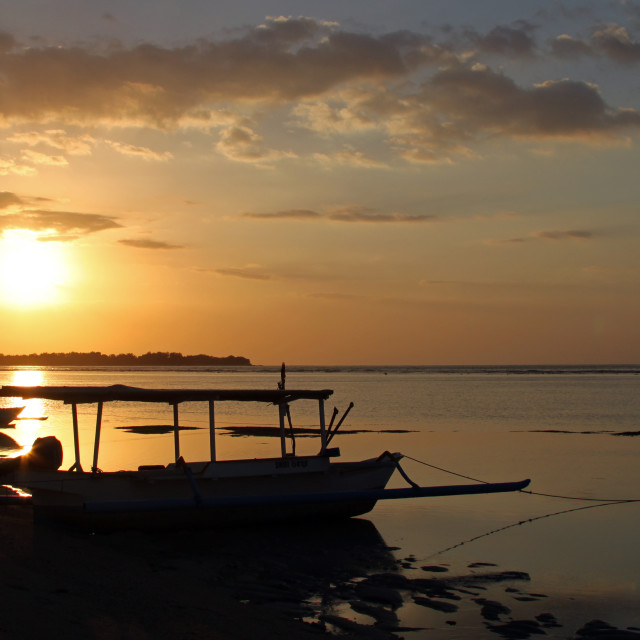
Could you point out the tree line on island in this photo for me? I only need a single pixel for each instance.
(96, 358)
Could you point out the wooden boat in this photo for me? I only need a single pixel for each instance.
(212, 492)
(8, 415)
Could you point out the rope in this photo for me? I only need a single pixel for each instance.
(527, 521)
(533, 493)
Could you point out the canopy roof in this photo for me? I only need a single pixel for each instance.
(119, 392)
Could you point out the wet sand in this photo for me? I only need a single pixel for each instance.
(268, 582)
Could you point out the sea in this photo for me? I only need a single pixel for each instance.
(549, 560)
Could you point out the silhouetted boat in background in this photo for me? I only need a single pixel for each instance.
(211, 492)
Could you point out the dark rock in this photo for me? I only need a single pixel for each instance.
(437, 605)
(379, 594)
(547, 620)
(379, 614)
(492, 610)
(516, 629)
(435, 569)
(599, 630)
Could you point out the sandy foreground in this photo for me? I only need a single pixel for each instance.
(241, 584)
(249, 583)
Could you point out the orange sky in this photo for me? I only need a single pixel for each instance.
(454, 187)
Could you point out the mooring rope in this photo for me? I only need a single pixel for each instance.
(527, 521)
(533, 493)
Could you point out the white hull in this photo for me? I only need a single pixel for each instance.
(213, 493)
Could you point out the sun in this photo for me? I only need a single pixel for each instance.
(32, 272)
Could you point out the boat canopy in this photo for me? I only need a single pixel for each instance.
(119, 392)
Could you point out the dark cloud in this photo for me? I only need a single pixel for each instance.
(516, 40)
(481, 101)
(284, 59)
(64, 223)
(615, 42)
(148, 244)
(611, 41)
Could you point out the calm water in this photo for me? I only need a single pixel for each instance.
(555, 425)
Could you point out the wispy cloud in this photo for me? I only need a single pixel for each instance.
(551, 236)
(36, 157)
(140, 152)
(250, 272)
(145, 243)
(66, 224)
(288, 214)
(352, 213)
(56, 138)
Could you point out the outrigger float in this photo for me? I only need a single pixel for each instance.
(212, 492)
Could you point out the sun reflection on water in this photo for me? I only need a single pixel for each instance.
(29, 424)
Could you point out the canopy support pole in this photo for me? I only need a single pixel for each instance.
(96, 444)
(323, 430)
(76, 441)
(283, 442)
(212, 430)
(176, 431)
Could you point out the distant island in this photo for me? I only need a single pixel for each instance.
(95, 358)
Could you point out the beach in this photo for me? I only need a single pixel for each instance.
(266, 582)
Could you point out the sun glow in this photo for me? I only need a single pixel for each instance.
(33, 272)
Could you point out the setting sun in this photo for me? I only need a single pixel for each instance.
(32, 271)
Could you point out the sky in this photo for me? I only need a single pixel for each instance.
(362, 182)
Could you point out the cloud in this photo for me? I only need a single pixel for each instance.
(615, 42)
(352, 213)
(610, 40)
(426, 101)
(8, 199)
(550, 235)
(139, 152)
(572, 234)
(35, 157)
(349, 157)
(250, 272)
(505, 40)
(148, 244)
(62, 223)
(15, 167)
(242, 144)
(479, 101)
(565, 46)
(364, 214)
(57, 138)
(285, 59)
(288, 214)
